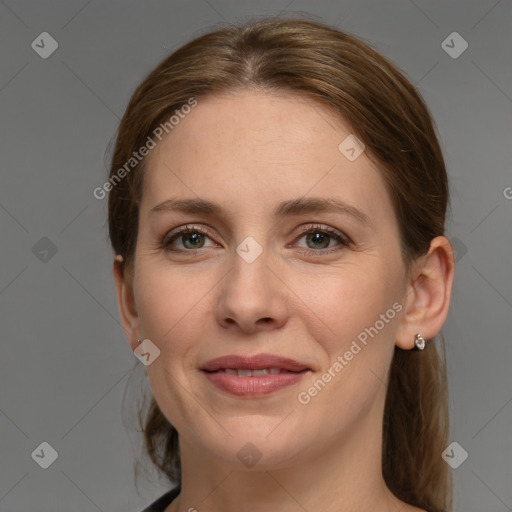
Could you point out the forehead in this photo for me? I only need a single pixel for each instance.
(248, 144)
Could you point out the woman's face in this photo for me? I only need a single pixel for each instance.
(295, 256)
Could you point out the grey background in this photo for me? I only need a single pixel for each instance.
(65, 361)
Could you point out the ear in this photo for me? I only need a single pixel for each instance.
(428, 294)
(126, 301)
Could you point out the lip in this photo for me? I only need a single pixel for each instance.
(253, 386)
(255, 362)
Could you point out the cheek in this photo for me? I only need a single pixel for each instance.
(167, 302)
(344, 304)
(354, 325)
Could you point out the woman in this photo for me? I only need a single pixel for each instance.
(277, 207)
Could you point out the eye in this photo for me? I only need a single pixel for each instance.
(191, 238)
(320, 238)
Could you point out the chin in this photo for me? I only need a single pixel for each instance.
(259, 446)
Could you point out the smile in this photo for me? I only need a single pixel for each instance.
(243, 372)
(253, 376)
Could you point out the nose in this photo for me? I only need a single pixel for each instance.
(252, 296)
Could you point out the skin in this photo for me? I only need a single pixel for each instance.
(248, 151)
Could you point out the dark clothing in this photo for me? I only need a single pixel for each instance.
(163, 502)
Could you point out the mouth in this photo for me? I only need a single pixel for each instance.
(253, 376)
(246, 372)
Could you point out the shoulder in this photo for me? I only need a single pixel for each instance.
(163, 502)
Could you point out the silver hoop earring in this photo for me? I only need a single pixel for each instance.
(419, 341)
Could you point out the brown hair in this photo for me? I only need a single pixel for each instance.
(386, 112)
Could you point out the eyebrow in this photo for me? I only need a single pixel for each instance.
(293, 207)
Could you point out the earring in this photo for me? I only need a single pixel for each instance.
(419, 341)
(145, 369)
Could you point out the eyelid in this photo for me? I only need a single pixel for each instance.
(188, 228)
(305, 229)
(343, 239)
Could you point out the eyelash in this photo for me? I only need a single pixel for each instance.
(343, 240)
